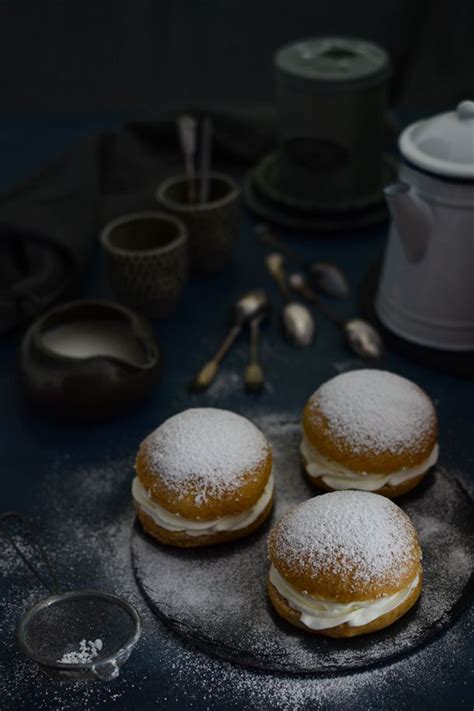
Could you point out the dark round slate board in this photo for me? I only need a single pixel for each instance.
(216, 597)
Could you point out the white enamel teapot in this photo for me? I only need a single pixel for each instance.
(426, 290)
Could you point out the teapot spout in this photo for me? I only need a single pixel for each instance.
(412, 218)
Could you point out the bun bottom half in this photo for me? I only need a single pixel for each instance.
(182, 540)
(391, 492)
(293, 616)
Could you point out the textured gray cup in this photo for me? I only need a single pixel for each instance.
(213, 226)
(147, 260)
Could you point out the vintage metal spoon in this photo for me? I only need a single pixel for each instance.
(329, 279)
(206, 151)
(362, 337)
(187, 127)
(270, 239)
(254, 378)
(247, 307)
(326, 278)
(298, 322)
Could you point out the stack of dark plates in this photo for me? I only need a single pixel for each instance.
(268, 199)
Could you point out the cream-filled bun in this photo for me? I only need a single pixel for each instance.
(344, 564)
(203, 477)
(369, 430)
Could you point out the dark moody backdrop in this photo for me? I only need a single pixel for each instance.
(146, 55)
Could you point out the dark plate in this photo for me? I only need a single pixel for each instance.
(216, 597)
(278, 214)
(266, 179)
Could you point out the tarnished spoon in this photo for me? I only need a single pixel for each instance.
(326, 278)
(361, 336)
(297, 319)
(247, 307)
(271, 239)
(329, 279)
(254, 378)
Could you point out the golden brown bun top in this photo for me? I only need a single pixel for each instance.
(205, 463)
(371, 421)
(346, 546)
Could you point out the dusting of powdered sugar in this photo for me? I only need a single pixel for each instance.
(86, 520)
(375, 411)
(205, 448)
(357, 533)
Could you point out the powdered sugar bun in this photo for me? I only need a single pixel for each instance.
(372, 422)
(204, 465)
(346, 547)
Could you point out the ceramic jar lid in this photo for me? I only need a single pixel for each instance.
(443, 144)
(332, 63)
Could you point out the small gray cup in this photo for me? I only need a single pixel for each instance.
(213, 226)
(147, 260)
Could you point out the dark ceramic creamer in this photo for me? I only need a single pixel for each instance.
(89, 360)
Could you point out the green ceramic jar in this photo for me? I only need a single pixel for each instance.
(330, 100)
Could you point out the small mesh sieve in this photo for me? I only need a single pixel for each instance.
(56, 626)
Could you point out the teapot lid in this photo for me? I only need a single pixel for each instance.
(443, 144)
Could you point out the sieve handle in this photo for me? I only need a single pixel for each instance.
(106, 671)
(50, 582)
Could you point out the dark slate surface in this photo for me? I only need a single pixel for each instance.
(30, 445)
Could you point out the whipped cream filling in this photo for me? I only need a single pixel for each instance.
(318, 613)
(193, 527)
(339, 477)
